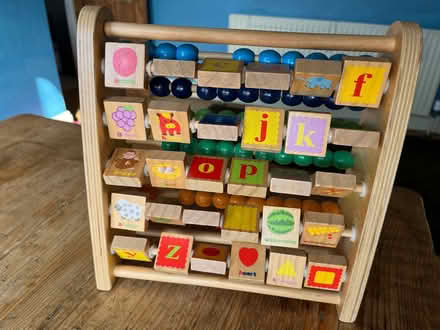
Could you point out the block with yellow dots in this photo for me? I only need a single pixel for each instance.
(322, 229)
(241, 224)
(131, 248)
(286, 267)
(325, 271)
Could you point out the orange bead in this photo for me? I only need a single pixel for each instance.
(274, 201)
(203, 198)
(186, 197)
(237, 200)
(311, 205)
(330, 207)
(220, 201)
(258, 202)
(293, 203)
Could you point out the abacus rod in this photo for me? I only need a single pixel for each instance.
(384, 44)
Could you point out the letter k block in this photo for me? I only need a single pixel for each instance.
(307, 133)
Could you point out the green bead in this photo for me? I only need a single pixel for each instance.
(224, 149)
(283, 159)
(190, 148)
(302, 160)
(206, 147)
(227, 113)
(241, 115)
(325, 161)
(198, 115)
(343, 159)
(241, 153)
(344, 123)
(169, 146)
(264, 155)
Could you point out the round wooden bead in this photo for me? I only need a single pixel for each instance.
(224, 149)
(270, 96)
(181, 88)
(313, 101)
(269, 56)
(237, 200)
(220, 200)
(291, 100)
(203, 198)
(160, 86)
(248, 95)
(291, 57)
(302, 160)
(311, 205)
(258, 202)
(207, 93)
(330, 207)
(283, 159)
(244, 54)
(241, 153)
(325, 161)
(317, 56)
(337, 57)
(264, 155)
(186, 197)
(343, 159)
(330, 103)
(227, 94)
(207, 147)
(166, 51)
(293, 203)
(274, 201)
(187, 52)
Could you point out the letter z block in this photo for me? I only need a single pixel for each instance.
(325, 272)
(286, 267)
(207, 173)
(220, 73)
(248, 177)
(166, 168)
(174, 253)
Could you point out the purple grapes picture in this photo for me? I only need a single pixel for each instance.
(125, 118)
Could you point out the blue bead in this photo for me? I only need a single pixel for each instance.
(330, 103)
(290, 58)
(270, 96)
(367, 55)
(166, 51)
(337, 57)
(151, 49)
(291, 100)
(357, 108)
(206, 93)
(248, 95)
(181, 88)
(244, 54)
(227, 94)
(160, 86)
(269, 56)
(187, 52)
(317, 56)
(313, 101)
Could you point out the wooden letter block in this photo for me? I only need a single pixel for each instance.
(325, 272)
(126, 168)
(247, 262)
(267, 76)
(169, 121)
(166, 168)
(125, 118)
(124, 65)
(164, 213)
(286, 267)
(220, 73)
(263, 129)
(242, 223)
(174, 68)
(131, 248)
(363, 81)
(354, 138)
(322, 229)
(248, 177)
(280, 226)
(316, 77)
(174, 253)
(207, 173)
(218, 127)
(201, 217)
(333, 184)
(210, 258)
(307, 133)
(290, 181)
(128, 212)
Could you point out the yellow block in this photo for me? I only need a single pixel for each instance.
(132, 255)
(261, 127)
(222, 65)
(241, 218)
(322, 277)
(287, 269)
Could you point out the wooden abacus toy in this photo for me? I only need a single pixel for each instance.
(265, 156)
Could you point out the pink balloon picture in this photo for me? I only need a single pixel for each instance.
(125, 61)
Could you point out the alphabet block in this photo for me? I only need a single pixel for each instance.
(316, 77)
(363, 81)
(247, 262)
(166, 168)
(220, 73)
(248, 177)
(218, 127)
(174, 253)
(333, 184)
(207, 173)
(263, 129)
(242, 223)
(286, 267)
(169, 121)
(210, 258)
(267, 76)
(354, 138)
(128, 212)
(280, 226)
(125, 118)
(290, 181)
(322, 229)
(126, 168)
(131, 248)
(174, 68)
(325, 272)
(124, 65)
(164, 213)
(201, 217)
(307, 133)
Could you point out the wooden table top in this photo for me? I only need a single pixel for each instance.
(46, 271)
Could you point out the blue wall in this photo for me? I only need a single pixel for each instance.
(29, 80)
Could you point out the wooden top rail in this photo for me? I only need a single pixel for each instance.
(383, 44)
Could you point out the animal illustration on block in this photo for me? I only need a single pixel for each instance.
(168, 125)
(126, 168)
(128, 212)
(320, 82)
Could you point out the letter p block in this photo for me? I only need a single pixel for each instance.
(248, 177)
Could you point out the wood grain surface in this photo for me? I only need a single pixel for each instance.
(46, 270)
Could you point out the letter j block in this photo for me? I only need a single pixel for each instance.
(307, 133)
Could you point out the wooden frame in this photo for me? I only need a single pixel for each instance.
(375, 167)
